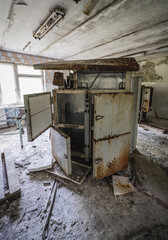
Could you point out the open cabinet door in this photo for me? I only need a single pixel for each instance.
(111, 137)
(38, 114)
(61, 149)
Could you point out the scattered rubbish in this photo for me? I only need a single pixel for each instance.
(73, 223)
(46, 183)
(70, 187)
(121, 185)
(139, 235)
(9, 182)
(18, 164)
(32, 208)
(51, 203)
(48, 202)
(38, 163)
(21, 218)
(79, 172)
(30, 156)
(149, 126)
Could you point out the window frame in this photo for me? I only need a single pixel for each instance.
(16, 80)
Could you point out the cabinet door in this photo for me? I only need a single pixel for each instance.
(61, 149)
(111, 137)
(38, 114)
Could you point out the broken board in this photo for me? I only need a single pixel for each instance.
(9, 182)
(121, 185)
(38, 163)
(79, 172)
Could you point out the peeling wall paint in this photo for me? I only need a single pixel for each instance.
(154, 73)
(153, 70)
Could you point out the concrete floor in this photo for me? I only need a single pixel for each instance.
(93, 214)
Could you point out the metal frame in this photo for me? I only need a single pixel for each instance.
(85, 127)
(28, 113)
(18, 123)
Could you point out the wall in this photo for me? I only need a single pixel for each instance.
(154, 72)
(13, 57)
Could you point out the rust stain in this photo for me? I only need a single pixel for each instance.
(116, 165)
(111, 64)
(98, 117)
(109, 137)
(123, 185)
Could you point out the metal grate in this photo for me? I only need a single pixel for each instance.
(79, 172)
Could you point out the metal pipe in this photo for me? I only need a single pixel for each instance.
(20, 133)
(94, 80)
(7, 112)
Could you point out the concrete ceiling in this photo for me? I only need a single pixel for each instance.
(115, 28)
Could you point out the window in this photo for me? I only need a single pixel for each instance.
(7, 84)
(30, 80)
(17, 80)
(30, 85)
(29, 70)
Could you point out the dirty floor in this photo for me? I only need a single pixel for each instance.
(89, 210)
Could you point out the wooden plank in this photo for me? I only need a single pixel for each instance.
(13, 180)
(2, 193)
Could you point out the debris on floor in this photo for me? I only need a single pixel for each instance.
(121, 185)
(50, 204)
(38, 163)
(9, 182)
(88, 210)
(152, 126)
(79, 172)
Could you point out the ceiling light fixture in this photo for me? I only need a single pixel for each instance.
(49, 23)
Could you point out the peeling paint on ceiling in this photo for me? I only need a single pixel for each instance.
(115, 28)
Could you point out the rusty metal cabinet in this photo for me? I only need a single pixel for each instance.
(93, 125)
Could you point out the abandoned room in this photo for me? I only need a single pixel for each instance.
(84, 119)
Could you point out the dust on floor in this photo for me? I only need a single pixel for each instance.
(93, 214)
(154, 145)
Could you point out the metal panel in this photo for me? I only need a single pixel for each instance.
(111, 139)
(38, 114)
(110, 64)
(61, 149)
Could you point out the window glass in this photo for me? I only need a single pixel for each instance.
(7, 84)
(30, 85)
(23, 69)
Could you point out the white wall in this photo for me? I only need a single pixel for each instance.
(154, 72)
